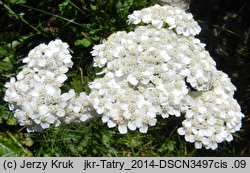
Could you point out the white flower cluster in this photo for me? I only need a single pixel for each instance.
(143, 80)
(36, 96)
(157, 71)
(166, 16)
(149, 72)
(213, 115)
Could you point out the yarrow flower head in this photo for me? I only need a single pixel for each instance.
(159, 69)
(168, 17)
(35, 93)
(156, 73)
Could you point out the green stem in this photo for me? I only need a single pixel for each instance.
(18, 16)
(51, 14)
(77, 7)
(18, 143)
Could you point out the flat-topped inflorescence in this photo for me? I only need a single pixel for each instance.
(159, 69)
(35, 94)
(168, 17)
